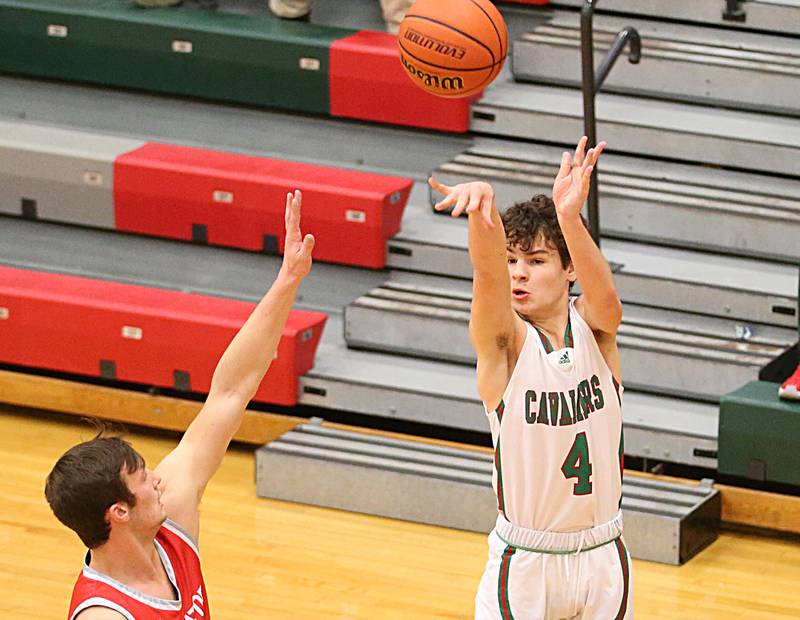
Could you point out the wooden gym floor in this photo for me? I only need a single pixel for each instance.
(269, 559)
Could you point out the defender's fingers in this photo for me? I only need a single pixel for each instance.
(297, 201)
(287, 214)
(292, 216)
(308, 244)
(580, 150)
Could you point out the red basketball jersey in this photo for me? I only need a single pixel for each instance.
(181, 561)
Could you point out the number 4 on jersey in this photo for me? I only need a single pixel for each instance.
(577, 465)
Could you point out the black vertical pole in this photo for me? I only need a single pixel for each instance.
(589, 121)
(591, 85)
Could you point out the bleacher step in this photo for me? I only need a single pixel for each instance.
(695, 207)
(665, 352)
(452, 487)
(781, 16)
(667, 130)
(745, 289)
(444, 394)
(268, 133)
(691, 63)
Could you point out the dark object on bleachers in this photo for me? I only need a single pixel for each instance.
(139, 334)
(759, 434)
(782, 367)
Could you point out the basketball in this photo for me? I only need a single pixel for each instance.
(453, 48)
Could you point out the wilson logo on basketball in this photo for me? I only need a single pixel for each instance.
(452, 83)
(440, 47)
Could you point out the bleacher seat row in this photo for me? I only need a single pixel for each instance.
(250, 59)
(139, 334)
(195, 194)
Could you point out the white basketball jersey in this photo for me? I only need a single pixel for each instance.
(557, 435)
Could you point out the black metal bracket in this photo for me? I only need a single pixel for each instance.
(734, 11)
(593, 83)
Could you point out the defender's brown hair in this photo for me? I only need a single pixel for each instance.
(86, 481)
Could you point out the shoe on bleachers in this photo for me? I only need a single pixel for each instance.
(278, 9)
(791, 387)
(303, 18)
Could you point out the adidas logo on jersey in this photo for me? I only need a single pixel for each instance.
(564, 359)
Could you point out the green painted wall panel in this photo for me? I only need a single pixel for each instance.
(242, 58)
(755, 427)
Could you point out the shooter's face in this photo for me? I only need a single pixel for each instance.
(539, 282)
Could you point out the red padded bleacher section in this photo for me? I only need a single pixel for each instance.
(368, 82)
(239, 201)
(139, 334)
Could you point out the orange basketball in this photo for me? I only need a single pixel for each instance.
(453, 48)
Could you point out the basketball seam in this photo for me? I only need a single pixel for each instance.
(462, 33)
(453, 69)
(496, 31)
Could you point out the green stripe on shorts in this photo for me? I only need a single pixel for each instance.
(502, 584)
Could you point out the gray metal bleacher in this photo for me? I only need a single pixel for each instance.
(664, 351)
(69, 174)
(688, 206)
(738, 287)
(451, 487)
(689, 63)
(655, 128)
(781, 16)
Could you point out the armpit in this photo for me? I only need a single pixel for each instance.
(502, 341)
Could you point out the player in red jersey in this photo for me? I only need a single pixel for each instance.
(141, 525)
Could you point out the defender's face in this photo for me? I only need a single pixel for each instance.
(539, 282)
(145, 485)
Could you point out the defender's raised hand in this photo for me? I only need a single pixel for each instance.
(475, 197)
(297, 249)
(571, 187)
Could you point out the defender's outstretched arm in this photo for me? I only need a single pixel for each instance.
(187, 469)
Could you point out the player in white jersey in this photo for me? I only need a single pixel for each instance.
(548, 375)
